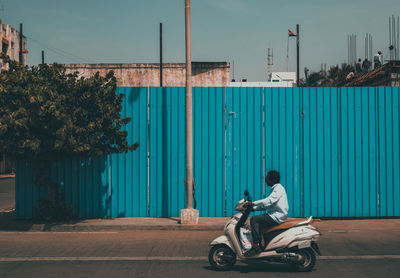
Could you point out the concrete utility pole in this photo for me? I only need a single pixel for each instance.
(298, 55)
(189, 215)
(161, 61)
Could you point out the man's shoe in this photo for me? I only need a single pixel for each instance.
(253, 251)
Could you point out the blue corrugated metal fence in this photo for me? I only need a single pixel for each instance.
(337, 150)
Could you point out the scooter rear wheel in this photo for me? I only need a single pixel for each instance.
(307, 262)
(221, 257)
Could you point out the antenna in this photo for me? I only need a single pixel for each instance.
(270, 63)
(233, 71)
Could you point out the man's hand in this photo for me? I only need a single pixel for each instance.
(249, 205)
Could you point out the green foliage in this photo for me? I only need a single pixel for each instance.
(46, 113)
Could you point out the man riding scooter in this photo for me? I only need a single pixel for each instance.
(276, 204)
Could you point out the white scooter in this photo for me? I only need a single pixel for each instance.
(292, 242)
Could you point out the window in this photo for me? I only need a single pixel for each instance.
(4, 48)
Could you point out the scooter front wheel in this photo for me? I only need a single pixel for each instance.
(221, 257)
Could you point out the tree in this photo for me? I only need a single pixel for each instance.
(335, 76)
(46, 114)
(315, 79)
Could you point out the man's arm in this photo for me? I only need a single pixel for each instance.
(264, 204)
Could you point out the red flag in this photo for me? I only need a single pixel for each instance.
(291, 33)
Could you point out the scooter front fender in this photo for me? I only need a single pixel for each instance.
(221, 240)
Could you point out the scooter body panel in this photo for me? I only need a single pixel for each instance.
(230, 232)
(295, 236)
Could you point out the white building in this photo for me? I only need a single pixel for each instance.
(278, 79)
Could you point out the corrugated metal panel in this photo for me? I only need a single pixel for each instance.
(282, 133)
(82, 181)
(245, 148)
(167, 151)
(337, 150)
(128, 172)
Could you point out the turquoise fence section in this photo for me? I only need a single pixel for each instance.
(337, 150)
(283, 126)
(167, 150)
(209, 150)
(244, 144)
(83, 183)
(129, 172)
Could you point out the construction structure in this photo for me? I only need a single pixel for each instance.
(387, 75)
(394, 38)
(204, 74)
(368, 47)
(351, 49)
(13, 44)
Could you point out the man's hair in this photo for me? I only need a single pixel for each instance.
(273, 177)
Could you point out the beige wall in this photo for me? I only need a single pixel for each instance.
(12, 36)
(210, 74)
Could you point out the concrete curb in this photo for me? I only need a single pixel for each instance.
(7, 176)
(8, 222)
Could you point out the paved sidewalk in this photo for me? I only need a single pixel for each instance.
(9, 223)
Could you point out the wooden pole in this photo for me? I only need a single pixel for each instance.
(21, 57)
(298, 55)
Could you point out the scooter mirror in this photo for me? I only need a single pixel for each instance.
(247, 196)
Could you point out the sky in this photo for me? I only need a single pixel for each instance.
(239, 31)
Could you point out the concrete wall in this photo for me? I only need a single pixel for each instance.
(395, 79)
(9, 43)
(206, 74)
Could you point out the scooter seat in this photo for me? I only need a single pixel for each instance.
(287, 225)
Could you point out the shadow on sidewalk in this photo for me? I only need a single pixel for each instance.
(9, 223)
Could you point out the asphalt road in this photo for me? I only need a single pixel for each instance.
(183, 254)
(7, 193)
(348, 251)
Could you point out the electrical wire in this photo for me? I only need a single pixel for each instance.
(60, 52)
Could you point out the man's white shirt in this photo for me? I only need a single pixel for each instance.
(276, 204)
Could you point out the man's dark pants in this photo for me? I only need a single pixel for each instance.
(259, 224)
